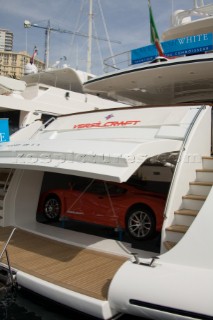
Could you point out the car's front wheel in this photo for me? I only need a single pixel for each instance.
(52, 208)
(140, 223)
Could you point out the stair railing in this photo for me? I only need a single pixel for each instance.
(8, 179)
(181, 152)
(4, 250)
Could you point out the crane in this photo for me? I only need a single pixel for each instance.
(48, 28)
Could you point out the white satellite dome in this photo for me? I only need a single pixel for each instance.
(30, 69)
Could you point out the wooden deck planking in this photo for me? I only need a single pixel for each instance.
(85, 271)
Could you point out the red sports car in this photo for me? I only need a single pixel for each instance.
(117, 205)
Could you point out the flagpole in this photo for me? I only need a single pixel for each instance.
(154, 37)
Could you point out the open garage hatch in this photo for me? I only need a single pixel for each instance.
(108, 145)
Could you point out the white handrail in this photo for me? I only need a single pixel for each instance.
(180, 154)
(181, 16)
(8, 179)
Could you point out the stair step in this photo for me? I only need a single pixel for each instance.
(201, 188)
(187, 212)
(3, 176)
(201, 183)
(178, 228)
(191, 203)
(207, 162)
(204, 175)
(169, 244)
(207, 157)
(195, 197)
(2, 182)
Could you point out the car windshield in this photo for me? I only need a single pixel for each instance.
(99, 187)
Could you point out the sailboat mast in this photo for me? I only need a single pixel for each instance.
(89, 51)
(47, 45)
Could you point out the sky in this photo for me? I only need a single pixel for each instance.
(124, 22)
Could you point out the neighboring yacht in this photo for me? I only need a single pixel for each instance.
(182, 75)
(178, 80)
(87, 266)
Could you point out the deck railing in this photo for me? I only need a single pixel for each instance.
(117, 62)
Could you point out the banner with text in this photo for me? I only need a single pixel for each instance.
(4, 130)
(173, 48)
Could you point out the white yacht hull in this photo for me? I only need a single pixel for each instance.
(85, 304)
(178, 283)
(179, 80)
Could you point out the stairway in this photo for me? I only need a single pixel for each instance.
(191, 203)
(5, 178)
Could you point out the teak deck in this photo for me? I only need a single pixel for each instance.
(82, 270)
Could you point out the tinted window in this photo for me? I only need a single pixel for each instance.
(98, 187)
(116, 189)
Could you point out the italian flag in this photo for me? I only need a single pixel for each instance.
(154, 33)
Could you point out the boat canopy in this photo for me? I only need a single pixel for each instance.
(65, 78)
(108, 145)
(8, 84)
(155, 83)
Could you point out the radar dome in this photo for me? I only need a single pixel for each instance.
(30, 69)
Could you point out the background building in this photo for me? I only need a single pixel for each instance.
(6, 40)
(12, 64)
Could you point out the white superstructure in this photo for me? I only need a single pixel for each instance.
(44, 95)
